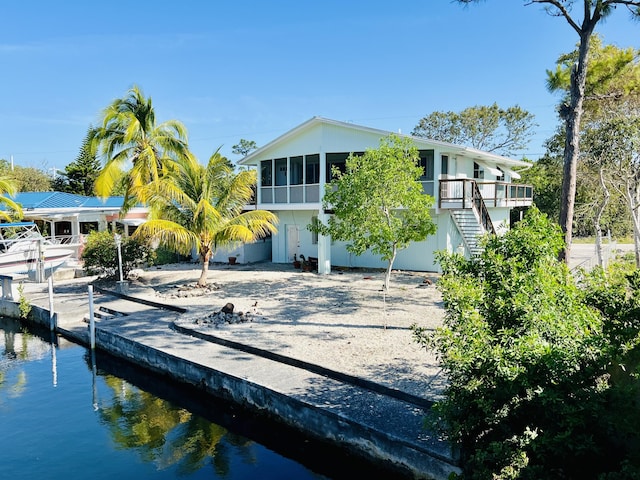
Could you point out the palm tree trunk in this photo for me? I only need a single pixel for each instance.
(202, 281)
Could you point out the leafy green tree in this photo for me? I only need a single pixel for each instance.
(609, 136)
(545, 175)
(100, 254)
(533, 360)
(593, 11)
(613, 76)
(618, 144)
(31, 179)
(202, 207)
(81, 174)
(244, 147)
(26, 179)
(489, 128)
(129, 136)
(378, 203)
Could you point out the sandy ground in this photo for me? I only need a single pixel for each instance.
(343, 321)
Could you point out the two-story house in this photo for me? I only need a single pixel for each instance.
(472, 190)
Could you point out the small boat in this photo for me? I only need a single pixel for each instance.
(22, 248)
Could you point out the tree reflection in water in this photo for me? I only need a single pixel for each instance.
(168, 435)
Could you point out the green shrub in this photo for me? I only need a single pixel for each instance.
(163, 256)
(23, 302)
(100, 255)
(535, 362)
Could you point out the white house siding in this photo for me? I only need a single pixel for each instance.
(419, 256)
(307, 144)
(282, 245)
(258, 251)
(501, 219)
(455, 242)
(322, 136)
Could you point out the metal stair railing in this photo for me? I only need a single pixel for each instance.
(481, 209)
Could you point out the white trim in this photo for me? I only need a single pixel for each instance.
(133, 222)
(491, 169)
(512, 174)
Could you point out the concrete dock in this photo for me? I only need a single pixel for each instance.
(375, 422)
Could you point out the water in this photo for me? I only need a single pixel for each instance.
(61, 417)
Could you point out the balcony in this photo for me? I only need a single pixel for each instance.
(454, 194)
(458, 193)
(309, 193)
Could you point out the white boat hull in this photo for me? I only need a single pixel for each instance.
(24, 250)
(25, 261)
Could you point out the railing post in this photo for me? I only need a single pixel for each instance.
(464, 194)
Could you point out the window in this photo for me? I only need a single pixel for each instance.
(313, 169)
(444, 164)
(478, 171)
(296, 170)
(87, 227)
(426, 163)
(265, 173)
(500, 178)
(338, 160)
(281, 172)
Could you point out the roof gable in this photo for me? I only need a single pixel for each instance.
(307, 128)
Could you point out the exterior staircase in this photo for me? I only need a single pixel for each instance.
(470, 229)
(473, 222)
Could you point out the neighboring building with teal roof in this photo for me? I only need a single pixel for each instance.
(67, 215)
(67, 218)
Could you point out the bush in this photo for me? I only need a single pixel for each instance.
(100, 255)
(163, 256)
(535, 362)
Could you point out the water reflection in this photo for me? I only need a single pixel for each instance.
(155, 428)
(18, 345)
(189, 430)
(165, 434)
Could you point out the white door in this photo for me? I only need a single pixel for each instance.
(293, 243)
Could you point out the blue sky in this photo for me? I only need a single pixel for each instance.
(254, 69)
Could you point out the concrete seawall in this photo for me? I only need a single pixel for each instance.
(373, 426)
(311, 419)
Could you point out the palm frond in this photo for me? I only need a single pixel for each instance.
(107, 179)
(168, 233)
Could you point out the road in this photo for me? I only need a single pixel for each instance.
(584, 254)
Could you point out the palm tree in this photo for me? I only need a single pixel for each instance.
(11, 210)
(197, 206)
(134, 149)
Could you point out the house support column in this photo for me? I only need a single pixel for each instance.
(324, 248)
(75, 229)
